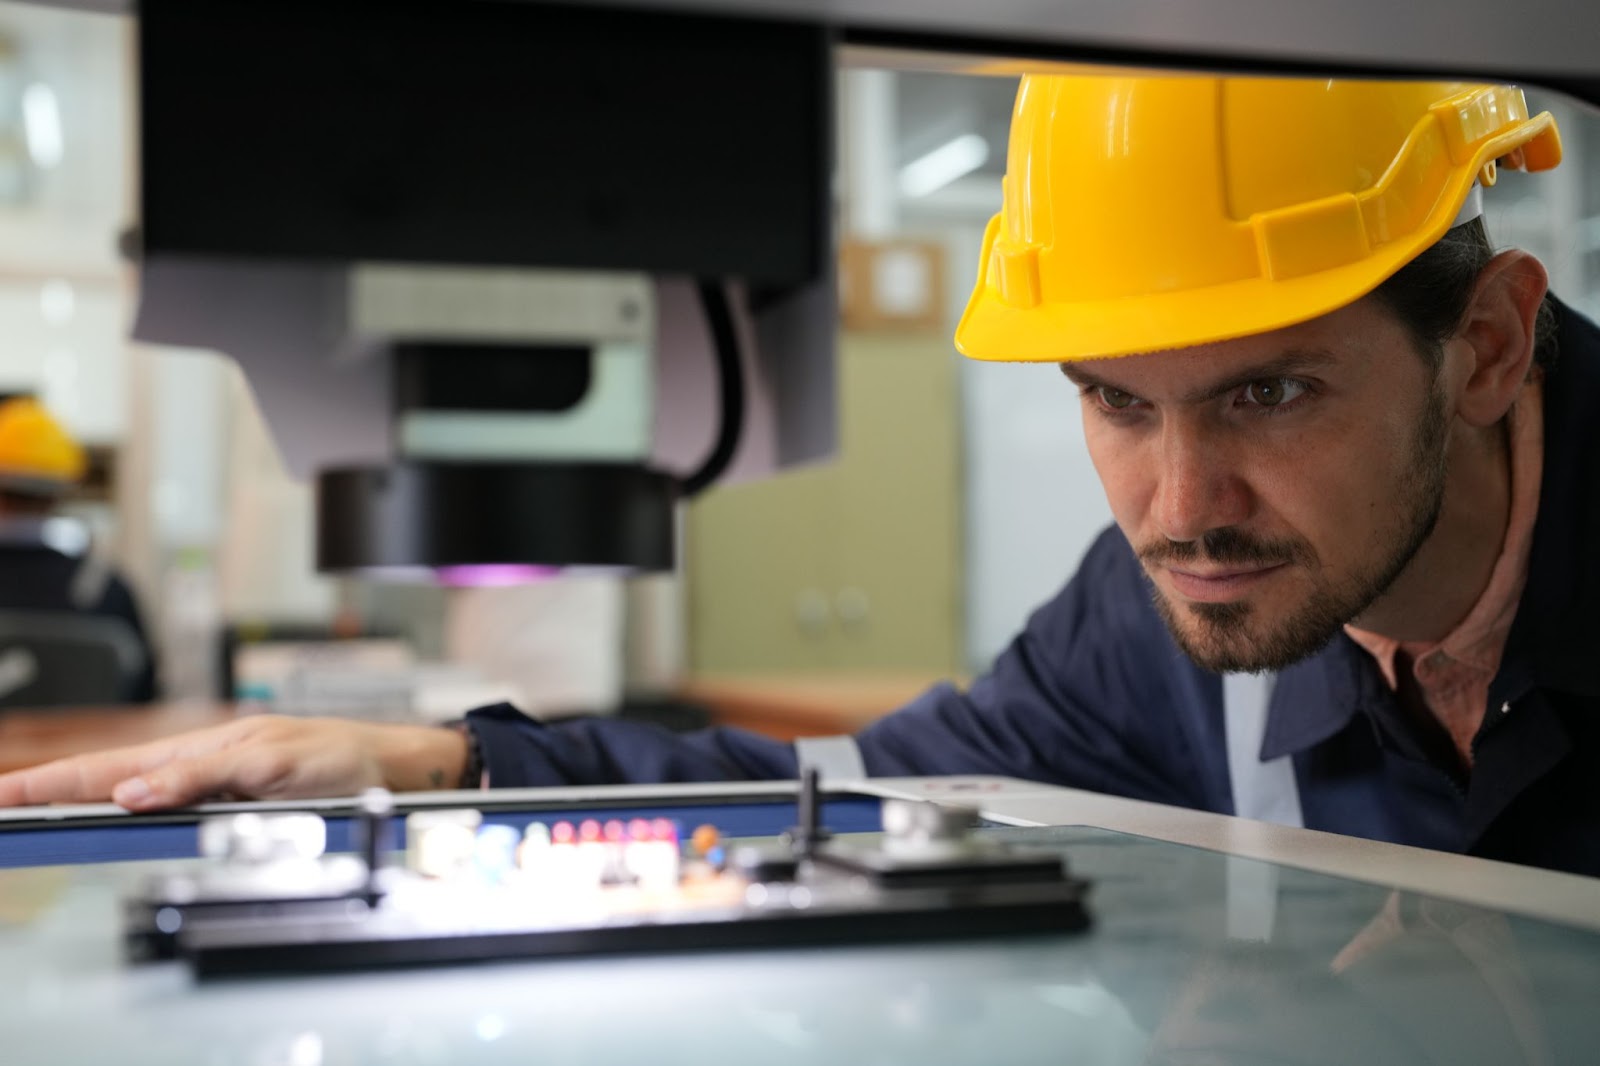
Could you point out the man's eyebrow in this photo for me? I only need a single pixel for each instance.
(1287, 364)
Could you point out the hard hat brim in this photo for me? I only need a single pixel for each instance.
(993, 331)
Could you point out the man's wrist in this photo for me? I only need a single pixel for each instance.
(424, 758)
(472, 768)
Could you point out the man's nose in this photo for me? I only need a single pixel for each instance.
(1199, 487)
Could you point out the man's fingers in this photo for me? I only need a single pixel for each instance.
(91, 778)
(81, 779)
(176, 783)
(257, 758)
(245, 771)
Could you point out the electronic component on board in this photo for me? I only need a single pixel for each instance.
(442, 843)
(256, 866)
(251, 838)
(704, 838)
(494, 853)
(373, 810)
(270, 901)
(808, 831)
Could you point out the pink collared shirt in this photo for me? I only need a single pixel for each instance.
(1453, 674)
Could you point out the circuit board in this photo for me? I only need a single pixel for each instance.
(270, 901)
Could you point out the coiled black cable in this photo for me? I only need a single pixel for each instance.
(730, 376)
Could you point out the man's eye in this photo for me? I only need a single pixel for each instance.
(1114, 398)
(1272, 392)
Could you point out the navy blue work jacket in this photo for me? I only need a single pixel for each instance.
(1094, 694)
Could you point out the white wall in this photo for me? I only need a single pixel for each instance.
(63, 304)
(73, 209)
(62, 339)
(1033, 500)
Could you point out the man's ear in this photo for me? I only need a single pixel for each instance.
(1496, 338)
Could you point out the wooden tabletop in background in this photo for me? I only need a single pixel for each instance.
(808, 705)
(784, 707)
(28, 737)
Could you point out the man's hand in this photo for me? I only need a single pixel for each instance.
(261, 757)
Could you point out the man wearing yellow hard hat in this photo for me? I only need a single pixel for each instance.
(40, 582)
(1348, 448)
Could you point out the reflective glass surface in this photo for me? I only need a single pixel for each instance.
(1195, 957)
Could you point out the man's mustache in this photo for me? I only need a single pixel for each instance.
(1227, 546)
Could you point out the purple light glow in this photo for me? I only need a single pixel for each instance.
(494, 575)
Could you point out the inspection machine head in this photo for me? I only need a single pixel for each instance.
(506, 292)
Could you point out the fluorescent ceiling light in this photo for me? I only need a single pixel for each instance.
(954, 159)
(41, 124)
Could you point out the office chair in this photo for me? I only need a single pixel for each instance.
(59, 658)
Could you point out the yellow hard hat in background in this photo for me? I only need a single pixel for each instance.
(1143, 213)
(36, 454)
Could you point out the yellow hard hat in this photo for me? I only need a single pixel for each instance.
(1143, 213)
(36, 454)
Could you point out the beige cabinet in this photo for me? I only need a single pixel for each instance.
(852, 566)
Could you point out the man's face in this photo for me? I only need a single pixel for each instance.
(1273, 487)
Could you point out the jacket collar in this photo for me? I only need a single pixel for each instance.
(1557, 630)
(1317, 697)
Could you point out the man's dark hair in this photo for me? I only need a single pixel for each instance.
(26, 504)
(1429, 294)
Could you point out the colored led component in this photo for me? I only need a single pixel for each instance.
(534, 850)
(704, 839)
(496, 852)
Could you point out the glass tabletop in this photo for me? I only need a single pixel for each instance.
(1195, 957)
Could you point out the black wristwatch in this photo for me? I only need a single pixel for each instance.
(472, 770)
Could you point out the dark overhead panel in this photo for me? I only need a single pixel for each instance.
(479, 131)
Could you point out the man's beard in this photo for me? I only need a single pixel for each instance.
(1221, 637)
